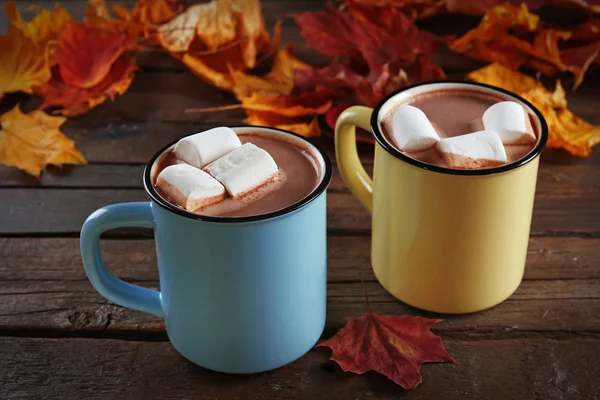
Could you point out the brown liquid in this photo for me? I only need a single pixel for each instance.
(454, 112)
(300, 175)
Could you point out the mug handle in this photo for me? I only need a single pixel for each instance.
(112, 288)
(352, 171)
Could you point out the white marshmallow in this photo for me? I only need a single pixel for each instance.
(243, 170)
(481, 149)
(510, 121)
(412, 130)
(205, 147)
(189, 186)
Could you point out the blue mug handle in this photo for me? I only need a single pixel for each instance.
(114, 289)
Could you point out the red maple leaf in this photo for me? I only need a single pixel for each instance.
(394, 346)
(380, 50)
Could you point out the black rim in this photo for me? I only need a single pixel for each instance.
(153, 194)
(444, 170)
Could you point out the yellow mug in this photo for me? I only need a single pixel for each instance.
(443, 240)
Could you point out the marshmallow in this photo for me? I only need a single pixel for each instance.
(243, 170)
(190, 187)
(205, 147)
(481, 149)
(412, 130)
(510, 121)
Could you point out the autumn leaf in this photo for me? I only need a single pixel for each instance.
(497, 39)
(85, 55)
(217, 24)
(566, 130)
(394, 346)
(32, 141)
(280, 80)
(92, 65)
(145, 16)
(306, 129)
(379, 48)
(418, 9)
(42, 28)
(74, 100)
(25, 64)
(213, 38)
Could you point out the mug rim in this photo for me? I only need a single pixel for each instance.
(316, 192)
(541, 144)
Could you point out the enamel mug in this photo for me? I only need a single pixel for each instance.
(238, 294)
(443, 240)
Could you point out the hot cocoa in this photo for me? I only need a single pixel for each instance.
(457, 112)
(297, 175)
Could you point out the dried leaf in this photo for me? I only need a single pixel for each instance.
(310, 129)
(394, 346)
(280, 80)
(426, 8)
(74, 100)
(45, 26)
(85, 55)
(495, 40)
(32, 141)
(25, 64)
(565, 129)
(215, 25)
(381, 50)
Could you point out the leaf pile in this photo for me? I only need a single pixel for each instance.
(373, 46)
(514, 37)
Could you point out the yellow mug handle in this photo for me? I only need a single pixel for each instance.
(352, 171)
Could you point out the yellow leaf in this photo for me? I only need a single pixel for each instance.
(32, 141)
(24, 64)
(219, 79)
(311, 129)
(216, 25)
(45, 26)
(566, 130)
(177, 34)
(280, 80)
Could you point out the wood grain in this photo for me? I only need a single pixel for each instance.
(55, 259)
(44, 291)
(63, 211)
(101, 369)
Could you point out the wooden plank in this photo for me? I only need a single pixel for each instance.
(44, 289)
(64, 210)
(552, 179)
(55, 259)
(100, 369)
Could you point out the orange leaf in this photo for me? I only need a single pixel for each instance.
(74, 100)
(85, 55)
(565, 129)
(146, 15)
(215, 25)
(45, 26)
(200, 67)
(394, 346)
(306, 104)
(24, 63)
(310, 129)
(493, 41)
(280, 80)
(32, 141)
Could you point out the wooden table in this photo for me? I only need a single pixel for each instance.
(59, 339)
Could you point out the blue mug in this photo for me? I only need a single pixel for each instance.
(238, 294)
